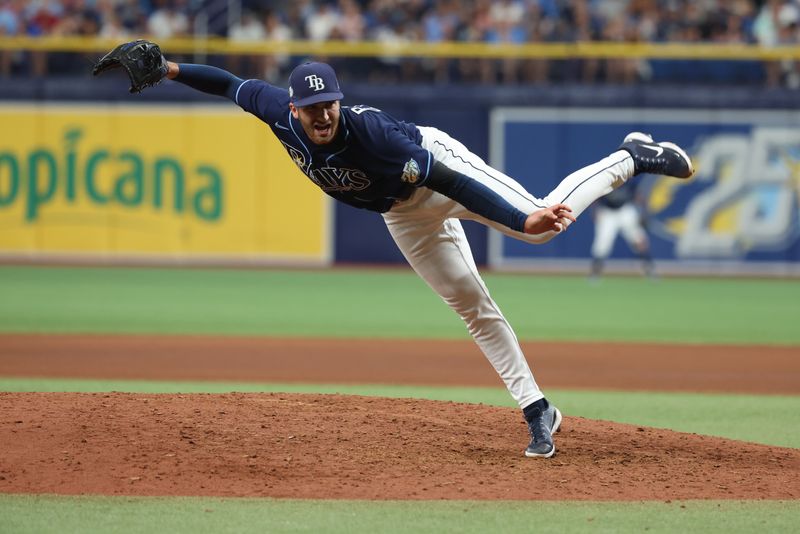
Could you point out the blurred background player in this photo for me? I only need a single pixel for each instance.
(619, 212)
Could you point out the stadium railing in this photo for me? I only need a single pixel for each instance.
(593, 49)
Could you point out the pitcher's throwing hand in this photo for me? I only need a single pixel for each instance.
(555, 218)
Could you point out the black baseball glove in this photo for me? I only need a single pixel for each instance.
(141, 59)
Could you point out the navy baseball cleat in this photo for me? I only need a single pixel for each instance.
(543, 421)
(657, 158)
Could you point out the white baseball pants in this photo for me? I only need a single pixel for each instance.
(609, 223)
(427, 231)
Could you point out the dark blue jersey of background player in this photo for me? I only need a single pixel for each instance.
(363, 166)
(620, 196)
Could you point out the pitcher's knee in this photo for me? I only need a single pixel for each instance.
(471, 301)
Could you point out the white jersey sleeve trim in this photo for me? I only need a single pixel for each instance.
(236, 97)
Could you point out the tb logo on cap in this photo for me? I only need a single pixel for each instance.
(315, 82)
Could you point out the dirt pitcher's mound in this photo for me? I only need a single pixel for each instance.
(337, 447)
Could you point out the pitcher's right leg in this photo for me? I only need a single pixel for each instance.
(440, 254)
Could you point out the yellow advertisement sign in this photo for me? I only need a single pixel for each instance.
(158, 181)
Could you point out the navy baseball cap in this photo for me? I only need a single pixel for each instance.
(313, 82)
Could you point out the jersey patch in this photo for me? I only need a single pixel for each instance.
(410, 171)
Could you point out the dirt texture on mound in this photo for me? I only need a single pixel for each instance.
(337, 447)
(319, 446)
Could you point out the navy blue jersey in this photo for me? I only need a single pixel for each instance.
(620, 196)
(374, 160)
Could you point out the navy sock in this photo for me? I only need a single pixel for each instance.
(535, 410)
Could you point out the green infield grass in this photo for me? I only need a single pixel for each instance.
(391, 303)
(60, 514)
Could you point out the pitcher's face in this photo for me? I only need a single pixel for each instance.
(320, 121)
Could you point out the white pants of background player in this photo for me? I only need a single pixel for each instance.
(430, 236)
(610, 222)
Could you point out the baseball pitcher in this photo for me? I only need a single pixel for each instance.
(422, 181)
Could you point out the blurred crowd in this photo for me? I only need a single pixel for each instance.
(764, 22)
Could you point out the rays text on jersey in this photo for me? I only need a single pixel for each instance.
(338, 179)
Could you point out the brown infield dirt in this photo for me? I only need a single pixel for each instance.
(351, 447)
